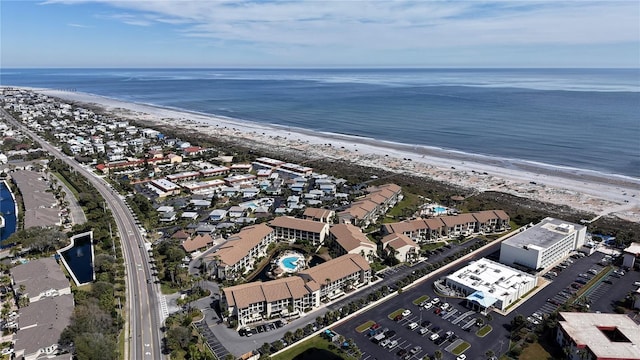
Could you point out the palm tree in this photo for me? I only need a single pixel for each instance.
(438, 354)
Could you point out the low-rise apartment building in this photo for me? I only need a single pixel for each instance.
(367, 210)
(336, 276)
(38, 279)
(349, 239)
(239, 253)
(295, 295)
(320, 215)
(401, 246)
(257, 301)
(40, 325)
(292, 229)
(448, 227)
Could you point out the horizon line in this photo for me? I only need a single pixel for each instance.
(318, 68)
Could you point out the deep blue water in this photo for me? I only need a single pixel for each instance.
(582, 118)
(8, 208)
(80, 259)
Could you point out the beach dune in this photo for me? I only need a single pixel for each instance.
(598, 193)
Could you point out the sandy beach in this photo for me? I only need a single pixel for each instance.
(598, 193)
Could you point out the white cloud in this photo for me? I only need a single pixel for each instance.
(78, 25)
(380, 25)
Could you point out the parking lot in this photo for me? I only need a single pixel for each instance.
(609, 287)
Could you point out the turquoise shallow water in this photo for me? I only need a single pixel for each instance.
(580, 118)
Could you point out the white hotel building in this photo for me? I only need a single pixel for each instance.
(543, 244)
(487, 284)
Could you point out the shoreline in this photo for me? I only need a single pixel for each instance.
(582, 189)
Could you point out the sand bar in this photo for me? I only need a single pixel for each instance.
(580, 189)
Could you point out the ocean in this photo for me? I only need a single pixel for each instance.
(577, 118)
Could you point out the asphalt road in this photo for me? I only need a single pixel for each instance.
(143, 338)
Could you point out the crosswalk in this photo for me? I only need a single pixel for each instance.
(164, 309)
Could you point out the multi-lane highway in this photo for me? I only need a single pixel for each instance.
(142, 328)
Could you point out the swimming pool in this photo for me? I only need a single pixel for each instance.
(290, 263)
(439, 209)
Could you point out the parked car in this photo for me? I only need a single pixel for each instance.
(398, 317)
(434, 337)
(390, 333)
(406, 312)
(423, 330)
(428, 306)
(401, 352)
(416, 349)
(412, 326)
(425, 323)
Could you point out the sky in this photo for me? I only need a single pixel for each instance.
(350, 33)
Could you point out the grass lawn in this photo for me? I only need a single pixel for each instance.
(365, 326)
(431, 246)
(420, 299)
(461, 348)
(410, 201)
(483, 331)
(166, 289)
(315, 342)
(395, 313)
(534, 351)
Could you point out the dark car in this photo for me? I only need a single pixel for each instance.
(375, 326)
(398, 317)
(390, 333)
(425, 323)
(402, 352)
(435, 329)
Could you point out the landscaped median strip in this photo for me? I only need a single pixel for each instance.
(483, 331)
(362, 328)
(393, 315)
(420, 299)
(461, 348)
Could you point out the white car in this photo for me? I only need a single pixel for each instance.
(406, 313)
(434, 337)
(435, 301)
(461, 357)
(428, 306)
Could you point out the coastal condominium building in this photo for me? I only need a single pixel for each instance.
(39, 328)
(295, 295)
(367, 210)
(447, 227)
(543, 244)
(490, 284)
(401, 246)
(256, 301)
(39, 279)
(333, 277)
(238, 254)
(292, 229)
(593, 336)
(317, 214)
(349, 239)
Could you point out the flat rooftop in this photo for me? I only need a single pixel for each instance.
(544, 234)
(608, 336)
(491, 278)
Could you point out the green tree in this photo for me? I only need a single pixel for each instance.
(178, 338)
(95, 346)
